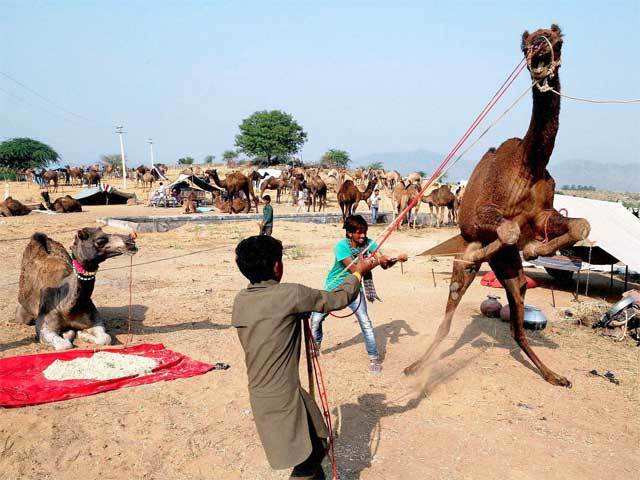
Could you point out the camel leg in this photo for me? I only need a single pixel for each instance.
(508, 269)
(96, 334)
(563, 232)
(463, 274)
(47, 336)
(23, 316)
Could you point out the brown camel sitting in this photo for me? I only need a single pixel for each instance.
(508, 205)
(66, 204)
(273, 183)
(349, 196)
(55, 286)
(50, 176)
(189, 203)
(234, 183)
(11, 207)
(236, 205)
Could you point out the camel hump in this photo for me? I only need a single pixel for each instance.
(453, 246)
(41, 240)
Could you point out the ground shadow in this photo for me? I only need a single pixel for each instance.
(18, 343)
(499, 334)
(117, 321)
(358, 431)
(385, 334)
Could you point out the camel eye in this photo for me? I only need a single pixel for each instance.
(101, 241)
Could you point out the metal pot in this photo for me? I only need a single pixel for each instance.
(490, 307)
(534, 319)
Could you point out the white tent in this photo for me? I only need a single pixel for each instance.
(271, 172)
(613, 228)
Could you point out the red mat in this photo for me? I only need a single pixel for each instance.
(489, 280)
(22, 382)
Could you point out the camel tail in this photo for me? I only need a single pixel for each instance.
(453, 246)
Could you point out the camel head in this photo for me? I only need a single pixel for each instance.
(92, 246)
(542, 50)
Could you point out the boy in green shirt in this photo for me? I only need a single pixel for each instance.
(266, 226)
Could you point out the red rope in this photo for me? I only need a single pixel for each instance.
(485, 111)
(324, 400)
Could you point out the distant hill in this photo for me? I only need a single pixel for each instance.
(604, 176)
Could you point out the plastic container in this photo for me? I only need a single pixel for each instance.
(490, 307)
(534, 319)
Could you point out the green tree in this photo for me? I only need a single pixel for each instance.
(270, 134)
(422, 173)
(114, 159)
(208, 159)
(22, 153)
(229, 155)
(186, 161)
(375, 166)
(335, 158)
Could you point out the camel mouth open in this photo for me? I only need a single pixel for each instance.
(540, 59)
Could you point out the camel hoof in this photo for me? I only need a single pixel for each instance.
(412, 369)
(69, 335)
(60, 344)
(559, 381)
(104, 339)
(530, 250)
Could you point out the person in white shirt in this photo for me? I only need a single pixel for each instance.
(374, 203)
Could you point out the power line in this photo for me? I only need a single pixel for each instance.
(43, 108)
(26, 87)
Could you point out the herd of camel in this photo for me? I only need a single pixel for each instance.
(507, 211)
(241, 187)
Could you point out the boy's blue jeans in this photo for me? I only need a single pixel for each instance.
(359, 307)
(374, 215)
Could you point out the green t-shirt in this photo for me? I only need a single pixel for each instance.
(343, 250)
(267, 216)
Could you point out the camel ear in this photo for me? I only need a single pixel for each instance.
(523, 45)
(556, 29)
(82, 234)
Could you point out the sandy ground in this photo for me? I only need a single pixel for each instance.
(484, 411)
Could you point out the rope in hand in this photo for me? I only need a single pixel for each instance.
(312, 354)
(446, 163)
(129, 320)
(386, 233)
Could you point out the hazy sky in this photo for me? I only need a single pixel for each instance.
(366, 77)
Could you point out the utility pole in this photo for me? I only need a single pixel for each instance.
(124, 163)
(153, 160)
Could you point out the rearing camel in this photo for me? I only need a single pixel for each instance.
(349, 196)
(508, 205)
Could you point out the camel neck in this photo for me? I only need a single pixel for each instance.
(543, 128)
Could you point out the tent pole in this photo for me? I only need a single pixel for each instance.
(611, 279)
(626, 277)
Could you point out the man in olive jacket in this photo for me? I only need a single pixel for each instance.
(267, 315)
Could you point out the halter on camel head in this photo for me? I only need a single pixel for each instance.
(542, 60)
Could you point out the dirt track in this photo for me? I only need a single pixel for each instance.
(486, 412)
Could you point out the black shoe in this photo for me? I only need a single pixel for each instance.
(315, 473)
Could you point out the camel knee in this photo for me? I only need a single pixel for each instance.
(579, 229)
(508, 232)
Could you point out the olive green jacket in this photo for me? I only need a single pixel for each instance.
(267, 318)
